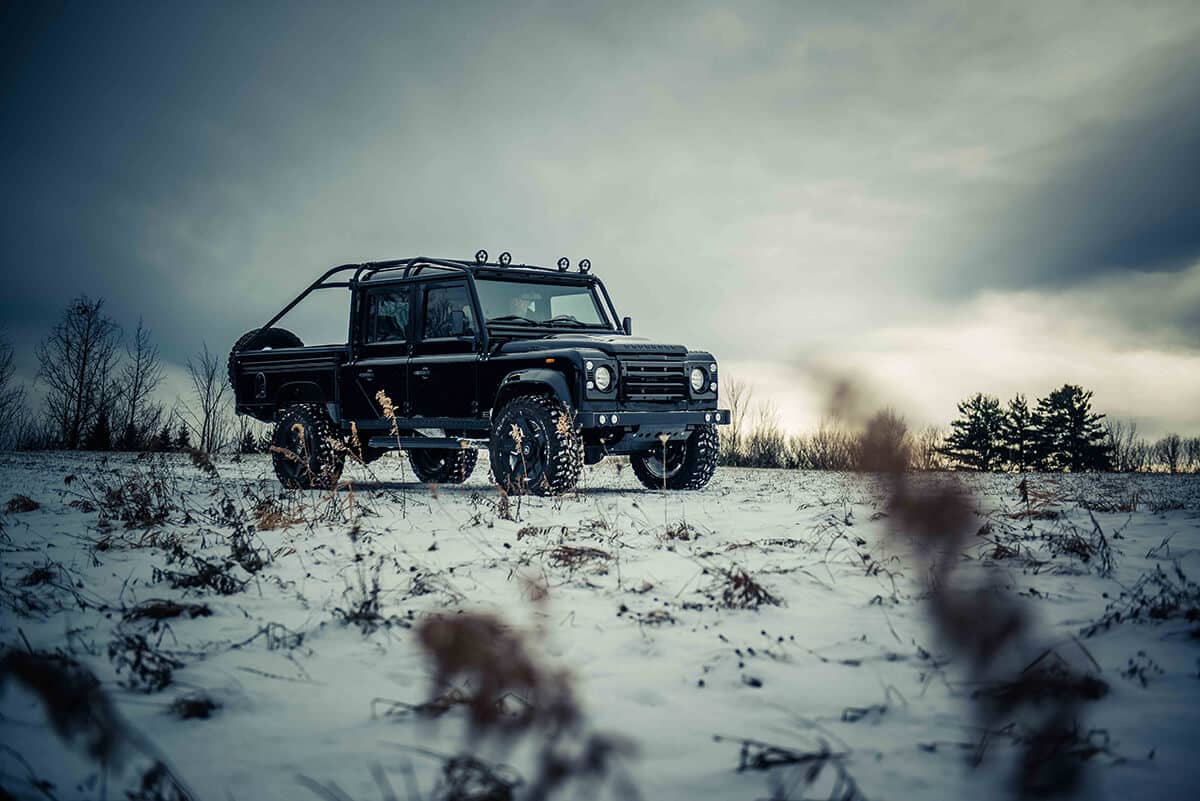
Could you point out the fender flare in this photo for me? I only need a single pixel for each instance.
(531, 381)
(299, 392)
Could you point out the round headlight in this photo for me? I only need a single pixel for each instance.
(699, 379)
(603, 378)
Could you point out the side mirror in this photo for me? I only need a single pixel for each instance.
(627, 325)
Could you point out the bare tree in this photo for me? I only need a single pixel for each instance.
(1192, 452)
(1127, 450)
(766, 444)
(76, 361)
(12, 398)
(1168, 452)
(831, 448)
(927, 449)
(737, 394)
(206, 414)
(140, 377)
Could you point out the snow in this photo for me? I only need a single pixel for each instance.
(848, 657)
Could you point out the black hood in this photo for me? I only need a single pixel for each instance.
(613, 344)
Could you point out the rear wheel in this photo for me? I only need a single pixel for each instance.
(535, 447)
(687, 465)
(304, 448)
(443, 466)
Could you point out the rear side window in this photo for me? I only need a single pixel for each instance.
(388, 312)
(448, 312)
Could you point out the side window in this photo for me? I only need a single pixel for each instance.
(448, 312)
(388, 314)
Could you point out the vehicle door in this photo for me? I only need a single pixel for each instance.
(384, 340)
(442, 368)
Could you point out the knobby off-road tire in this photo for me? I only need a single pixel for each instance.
(689, 465)
(259, 339)
(304, 448)
(441, 466)
(549, 457)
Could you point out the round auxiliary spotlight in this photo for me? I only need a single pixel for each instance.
(585, 266)
(481, 256)
(563, 264)
(505, 258)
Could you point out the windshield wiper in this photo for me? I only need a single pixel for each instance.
(512, 318)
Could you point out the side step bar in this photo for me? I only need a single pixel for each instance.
(416, 443)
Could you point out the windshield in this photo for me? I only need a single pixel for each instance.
(540, 303)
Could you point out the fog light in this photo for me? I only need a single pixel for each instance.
(613, 419)
(603, 419)
(708, 418)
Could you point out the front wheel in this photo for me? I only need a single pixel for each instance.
(687, 465)
(535, 447)
(440, 466)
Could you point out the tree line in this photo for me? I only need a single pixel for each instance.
(98, 389)
(1057, 433)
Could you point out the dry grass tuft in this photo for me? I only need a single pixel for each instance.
(739, 590)
(21, 503)
(1157, 596)
(157, 609)
(511, 695)
(573, 557)
(821, 769)
(147, 668)
(194, 706)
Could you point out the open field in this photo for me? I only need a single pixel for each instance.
(775, 622)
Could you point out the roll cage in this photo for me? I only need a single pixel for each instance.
(411, 268)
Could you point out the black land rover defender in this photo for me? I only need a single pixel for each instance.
(446, 356)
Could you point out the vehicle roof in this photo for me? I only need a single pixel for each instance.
(422, 266)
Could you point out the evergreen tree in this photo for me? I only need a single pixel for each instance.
(162, 441)
(129, 438)
(975, 439)
(1021, 435)
(99, 438)
(248, 443)
(183, 439)
(1072, 436)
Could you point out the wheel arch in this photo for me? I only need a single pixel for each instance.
(294, 392)
(532, 381)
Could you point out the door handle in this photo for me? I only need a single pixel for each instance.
(421, 372)
(367, 375)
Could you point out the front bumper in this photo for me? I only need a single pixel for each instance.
(666, 419)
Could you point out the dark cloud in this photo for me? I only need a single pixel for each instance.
(1118, 192)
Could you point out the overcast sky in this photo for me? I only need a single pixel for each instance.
(939, 198)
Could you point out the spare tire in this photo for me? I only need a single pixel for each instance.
(261, 339)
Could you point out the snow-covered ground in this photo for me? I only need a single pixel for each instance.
(635, 594)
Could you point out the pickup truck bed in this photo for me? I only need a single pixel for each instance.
(270, 379)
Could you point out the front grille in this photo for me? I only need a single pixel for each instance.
(662, 381)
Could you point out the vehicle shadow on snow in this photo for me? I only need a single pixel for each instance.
(469, 489)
